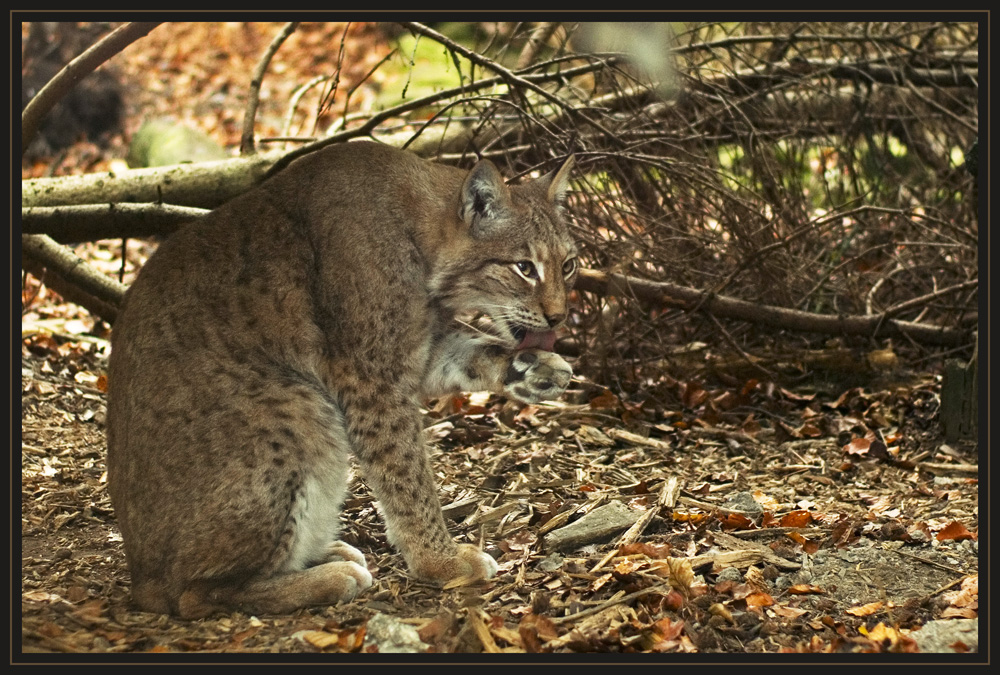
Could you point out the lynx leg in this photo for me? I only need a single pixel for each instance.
(390, 450)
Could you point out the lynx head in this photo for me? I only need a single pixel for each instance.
(518, 259)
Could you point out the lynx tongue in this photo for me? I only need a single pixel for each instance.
(545, 340)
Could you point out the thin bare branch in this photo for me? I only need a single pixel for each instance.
(253, 94)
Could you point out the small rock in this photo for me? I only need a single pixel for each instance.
(391, 636)
(730, 574)
(551, 563)
(745, 503)
(938, 636)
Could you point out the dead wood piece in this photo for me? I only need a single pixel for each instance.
(596, 526)
(741, 559)
(203, 185)
(723, 434)
(482, 631)
(960, 468)
(560, 519)
(742, 546)
(460, 508)
(600, 609)
(710, 507)
(90, 222)
(478, 517)
(636, 439)
(667, 498)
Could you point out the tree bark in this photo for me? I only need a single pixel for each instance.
(90, 222)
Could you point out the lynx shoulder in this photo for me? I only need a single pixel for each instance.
(265, 343)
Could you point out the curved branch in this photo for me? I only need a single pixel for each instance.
(70, 276)
(253, 96)
(671, 295)
(506, 74)
(368, 127)
(76, 70)
(539, 36)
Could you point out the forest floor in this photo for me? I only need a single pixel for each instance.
(747, 518)
(750, 543)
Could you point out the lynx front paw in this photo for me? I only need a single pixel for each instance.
(338, 550)
(469, 563)
(536, 375)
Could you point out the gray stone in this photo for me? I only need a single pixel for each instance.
(745, 503)
(391, 636)
(938, 636)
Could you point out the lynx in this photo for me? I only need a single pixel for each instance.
(304, 322)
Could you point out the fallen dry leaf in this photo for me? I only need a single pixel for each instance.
(889, 639)
(536, 630)
(758, 599)
(865, 610)
(787, 612)
(805, 589)
(955, 530)
(799, 518)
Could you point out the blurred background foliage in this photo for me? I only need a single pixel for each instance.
(814, 166)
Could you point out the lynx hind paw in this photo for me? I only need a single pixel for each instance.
(536, 375)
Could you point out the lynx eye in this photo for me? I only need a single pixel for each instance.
(526, 269)
(569, 267)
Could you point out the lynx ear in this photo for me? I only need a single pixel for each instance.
(558, 180)
(485, 195)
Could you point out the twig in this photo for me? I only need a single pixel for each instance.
(924, 299)
(668, 495)
(610, 603)
(76, 70)
(775, 531)
(932, 563)
(961, 468)
(368, 127)
(253, 95)
(507, 75)
(954, 582)
(293, 103)
(539, 36)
